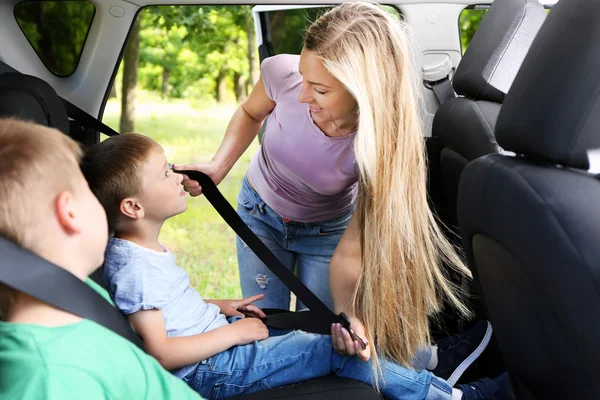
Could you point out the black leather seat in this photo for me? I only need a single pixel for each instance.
(531, 223)
(464, 126)
(29, 98)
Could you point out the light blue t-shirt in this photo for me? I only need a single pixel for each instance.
(142, 279)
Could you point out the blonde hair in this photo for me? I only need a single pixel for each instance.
(404, 252)
(37, 164)
(113, 170)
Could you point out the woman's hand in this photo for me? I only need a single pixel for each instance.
(343, 343)
(212, 169)
(235, 308)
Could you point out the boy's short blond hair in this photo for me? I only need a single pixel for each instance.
(36, 163)
(113, 170)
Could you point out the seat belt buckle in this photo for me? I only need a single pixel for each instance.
(345, 321)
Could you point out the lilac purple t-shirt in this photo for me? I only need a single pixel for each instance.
(300, 172)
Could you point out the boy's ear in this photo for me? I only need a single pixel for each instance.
(66, 213)
(132, 208)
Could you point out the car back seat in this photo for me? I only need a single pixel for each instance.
(28, 98)
(465, 125)
(531, 223)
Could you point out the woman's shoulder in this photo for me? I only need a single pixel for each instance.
(276, 72)
(287, 61)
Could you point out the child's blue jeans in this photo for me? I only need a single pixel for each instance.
(289, 357)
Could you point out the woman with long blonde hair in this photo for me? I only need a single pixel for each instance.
(342, 168)
(388, 268)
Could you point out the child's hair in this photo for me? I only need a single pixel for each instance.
(112, 169)
(37, 164)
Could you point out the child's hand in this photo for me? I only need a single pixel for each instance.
(248, 330)
(239, 308)
(245, 306)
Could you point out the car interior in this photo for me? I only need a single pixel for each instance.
(512, 148)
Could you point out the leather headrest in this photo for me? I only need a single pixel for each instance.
(31, 99)
(497, 49)
(552, 112)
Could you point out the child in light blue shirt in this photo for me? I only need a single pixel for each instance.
(144, 279)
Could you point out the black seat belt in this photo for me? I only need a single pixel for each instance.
(320, 317)
(30, 274)
(443, 90)
(87, 120)
(73, 111)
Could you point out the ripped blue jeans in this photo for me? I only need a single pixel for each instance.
(307, 246)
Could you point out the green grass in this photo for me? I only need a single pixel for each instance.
(201, 241)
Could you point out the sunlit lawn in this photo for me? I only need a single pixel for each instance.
(200, 240)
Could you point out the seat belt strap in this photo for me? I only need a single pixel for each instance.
(30, 274)
(437, 77)
(443, 90)
(87, 120)
(318, 309)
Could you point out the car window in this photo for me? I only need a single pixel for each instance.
(287, 27)
(57, 31)
(469, 21)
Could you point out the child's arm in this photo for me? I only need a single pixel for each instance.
(177, 352)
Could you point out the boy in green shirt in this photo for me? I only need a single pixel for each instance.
(47, 207)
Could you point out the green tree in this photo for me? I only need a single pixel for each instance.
(199, 51)
(130, 73)
(469, 22)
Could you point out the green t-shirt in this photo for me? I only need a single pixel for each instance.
(83, 360)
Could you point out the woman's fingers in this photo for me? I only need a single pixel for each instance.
(192, 187)
(363, 354)
(334, 339)
(339, 340)
(185, 167)
(348, 342)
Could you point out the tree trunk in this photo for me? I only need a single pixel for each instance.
(221, 85)
(252, 51)
(165, 82)
(240, 87)
(130, 71)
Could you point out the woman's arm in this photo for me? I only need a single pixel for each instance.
(177, 352)
(345, 268)
(241, 131)
(344, 273)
